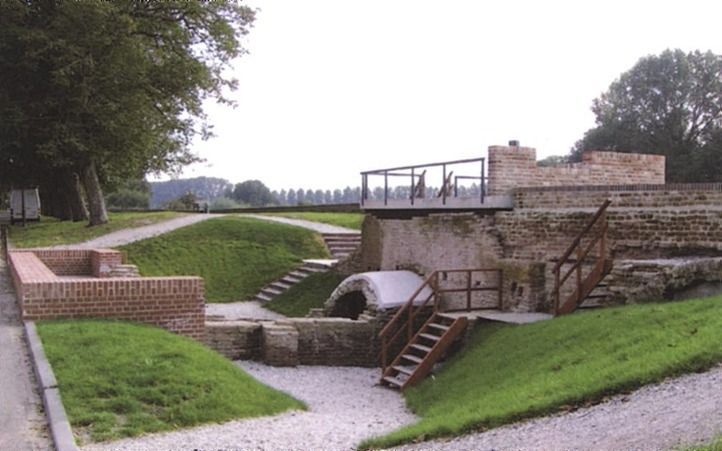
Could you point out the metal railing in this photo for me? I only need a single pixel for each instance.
(402, 323)
(417, 179)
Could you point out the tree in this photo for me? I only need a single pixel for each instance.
(98, 92)
(669, 104)
(254, 193)
(133, 194)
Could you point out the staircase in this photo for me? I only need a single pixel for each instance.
(426, 347)
(421, 331)
(341, 245)
(585, 285)
(290, 279)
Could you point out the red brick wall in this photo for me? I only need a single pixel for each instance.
(174, 303)
(516, 167)
(66, 262)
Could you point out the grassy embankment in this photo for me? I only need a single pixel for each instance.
(121, 379)
(50, 231)
(310, 293)
(508, 373)
(348, 220)
(236, 256)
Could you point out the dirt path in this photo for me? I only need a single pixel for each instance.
(125, 236)
(678, 412)
(22, 421)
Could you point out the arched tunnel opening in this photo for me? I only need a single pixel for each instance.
(350, 305)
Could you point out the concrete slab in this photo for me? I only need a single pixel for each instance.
(504, 317)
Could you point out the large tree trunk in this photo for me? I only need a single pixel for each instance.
(96, 203)
(75, 198)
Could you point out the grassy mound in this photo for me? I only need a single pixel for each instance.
(121, 379)
(508, 373)
(309, 293)
(348, 220)
(236, 256)
(50, 231)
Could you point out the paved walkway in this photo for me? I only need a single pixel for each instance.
(676, 413)
(125, 236)
(246, 310)
(22, 421)
(315, 226)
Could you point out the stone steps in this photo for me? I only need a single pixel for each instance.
(291, 278)
(341, 245)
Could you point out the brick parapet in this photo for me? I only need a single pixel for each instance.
(516, 167)
(174, 303)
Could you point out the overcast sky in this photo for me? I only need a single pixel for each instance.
(333, 87)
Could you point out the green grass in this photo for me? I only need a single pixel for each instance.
(50, 231)
(120, 379)
(348, 220)
(508, 373)
(715, 445)
(236, 256)
(310, 293)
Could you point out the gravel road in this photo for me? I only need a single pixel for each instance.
(22, 421)
(344, 407)
(125, 236)
(678, 412)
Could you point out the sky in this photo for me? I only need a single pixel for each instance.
(330, 88)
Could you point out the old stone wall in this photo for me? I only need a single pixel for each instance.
(234, 339)
(516, 167)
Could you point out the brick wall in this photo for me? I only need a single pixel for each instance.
(515, 167)
(174, 303)
(635, 196)
(66, 262)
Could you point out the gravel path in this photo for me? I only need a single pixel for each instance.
(125, 236)
(242, 310)
(315, 226)
(22, 421)
(344, 407)
(681, 411)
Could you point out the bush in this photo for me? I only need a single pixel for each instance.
(223, 203)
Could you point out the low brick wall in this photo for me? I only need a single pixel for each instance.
(174, 303)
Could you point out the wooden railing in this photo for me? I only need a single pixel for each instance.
(583, 285)
(402, 323)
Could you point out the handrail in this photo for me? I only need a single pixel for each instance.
(600, 237)
(579, 237)
(403, 319)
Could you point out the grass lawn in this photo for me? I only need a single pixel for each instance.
(236, 256)
(509, 372)
(348, 220)
(309, 293)
(50, 231)
(715, 445)
(121, 379)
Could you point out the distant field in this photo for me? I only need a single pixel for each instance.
(236, 256)
(50, 231)
(120, 379)
(508, 373)
(348, 220)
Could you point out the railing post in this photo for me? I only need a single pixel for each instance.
(413, 188)
(579, 274)
(481, 188)
(383, 353)
(364, 176)
(468, 290)
(386, 187)
(557, 288)
(435, 287)
(443, 185)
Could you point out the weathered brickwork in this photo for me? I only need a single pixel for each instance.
(516, 167)
(656, 222)
(174, 303)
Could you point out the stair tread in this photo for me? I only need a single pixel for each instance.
(263, 297)
(430, 337)
(393, 381)
(421, 347)
(412, 358)
(404, 369)
(271, 290)
(438, 326)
